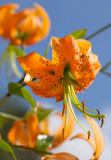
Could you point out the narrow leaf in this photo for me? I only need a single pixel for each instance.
(6, 147)
(17, 89)
(78, 34)
(43, 113)
(46, 51)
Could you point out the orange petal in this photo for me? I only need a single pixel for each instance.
(64, 50)
(58, 137)
(37, 66)
(84, 45)
(60, 156)
(99, 139)
(23, 133)
(45, 88)
(40, 25)
(83, 136)
(6, 11)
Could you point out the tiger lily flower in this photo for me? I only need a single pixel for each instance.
(73, 68)
(30, 129)
(60, 156)
(97, 142)
(27, 26)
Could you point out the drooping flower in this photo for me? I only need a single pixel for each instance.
(27, 26)
(26, 133)
(73, 68)
(97, 142)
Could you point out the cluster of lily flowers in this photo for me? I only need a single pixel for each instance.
(72, 69)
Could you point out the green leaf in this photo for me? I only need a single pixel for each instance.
(78, 34)
(10, 116)
(46, 51)
(16, 50)
(43, 113)
(3, 121)
(43, 142)
(6, 147)
(17, 89)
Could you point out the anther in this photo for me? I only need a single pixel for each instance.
(89, 134)
(83, 105)
(98, 113)
(63, 132)
(102, 122)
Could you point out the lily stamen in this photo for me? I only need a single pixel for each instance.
(89, 134)
(102, 122)
(83, 105)
(98, 113)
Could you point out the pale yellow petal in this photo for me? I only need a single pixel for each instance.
(84, 136)
(99, 139)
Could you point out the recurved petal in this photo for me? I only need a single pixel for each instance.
(60, 156)
(6, 11)
(84, 45)
(40, 11)
(37, 66)
(40, 27)
(83, 136)
(58, 137)
(99, 139)
(45, 88)
(64, 50)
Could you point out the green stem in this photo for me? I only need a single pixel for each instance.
(14, 66)
(106, 73)
(9, 116)
(98, 32)
(77, 101)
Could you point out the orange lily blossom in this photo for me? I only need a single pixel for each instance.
(32, 128)
(73, 68)
(27, 26)
(97, 142)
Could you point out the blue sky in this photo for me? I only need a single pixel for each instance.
(67, 16)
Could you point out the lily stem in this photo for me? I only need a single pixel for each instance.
(9, 116)
(98, 32)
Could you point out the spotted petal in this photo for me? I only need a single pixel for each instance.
(37, 66)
